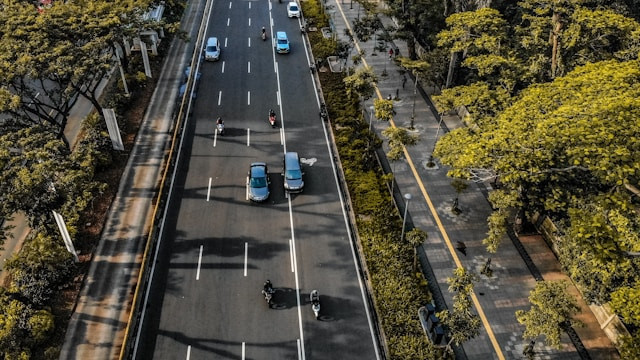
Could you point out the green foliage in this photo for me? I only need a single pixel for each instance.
(39, 268)
(629, 347)
(625, 302)
(70, 45)
(461, 322)
(415, 237)
(383, 109)
(21, 327)
(559, 141)
(399, 137)
(551, 311)
(361, 83)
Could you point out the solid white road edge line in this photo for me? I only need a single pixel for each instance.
(298, 341)
(209, 189)
(199, 264)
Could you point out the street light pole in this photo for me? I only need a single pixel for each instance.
(413, 108)
(404, 218)
(370, 116)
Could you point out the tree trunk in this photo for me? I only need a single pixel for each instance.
(553, 39)
(452, 65)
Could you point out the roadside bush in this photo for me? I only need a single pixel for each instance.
(42, 265)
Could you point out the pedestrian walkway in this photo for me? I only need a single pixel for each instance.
(496, 297)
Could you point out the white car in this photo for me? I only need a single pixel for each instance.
(212, 49)
(293, 10)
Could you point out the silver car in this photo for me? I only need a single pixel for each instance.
(258, 182)
(212, 49)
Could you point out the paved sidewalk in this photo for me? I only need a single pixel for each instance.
(507, 290)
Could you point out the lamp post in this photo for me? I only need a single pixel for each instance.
(370, 116)
(404, 218)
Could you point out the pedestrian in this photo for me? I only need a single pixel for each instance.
(390, 53)
(404, 80)
(389, 97)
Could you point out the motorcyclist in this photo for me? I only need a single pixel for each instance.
(264, 33)
(268, 288)
(272, 114)
(219, 121)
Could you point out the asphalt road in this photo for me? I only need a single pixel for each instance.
(219, 248)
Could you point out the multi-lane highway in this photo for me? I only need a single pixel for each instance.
(218, 248)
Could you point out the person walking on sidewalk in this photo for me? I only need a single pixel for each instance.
(390, 53)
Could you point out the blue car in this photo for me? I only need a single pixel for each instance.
(282, 42)
(258, 182)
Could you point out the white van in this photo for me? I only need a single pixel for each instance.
(292, 173)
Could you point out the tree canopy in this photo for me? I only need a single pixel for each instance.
(49, 58)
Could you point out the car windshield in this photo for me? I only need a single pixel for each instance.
(293, 174)
(211, 48)
(258, 182)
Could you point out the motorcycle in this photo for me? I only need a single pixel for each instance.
(272, 118)
(219, 126)
(268, 295)
(323, 112)
(314, 297)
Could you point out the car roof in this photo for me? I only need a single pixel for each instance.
(281, 35)
(258, 169)
(292, 3)
(212, 40)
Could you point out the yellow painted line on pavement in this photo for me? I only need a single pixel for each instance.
(432, 208)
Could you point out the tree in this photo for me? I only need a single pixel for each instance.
(39, 176)
(361, 83)
(49, 59)
(626, 303)
(558, 35)
(399, 138)
(383, 109)
(415, 238)
(551, 312)
(461, 322)
(419, 69)
(41, 266)
(560, 141)
(22, 328)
